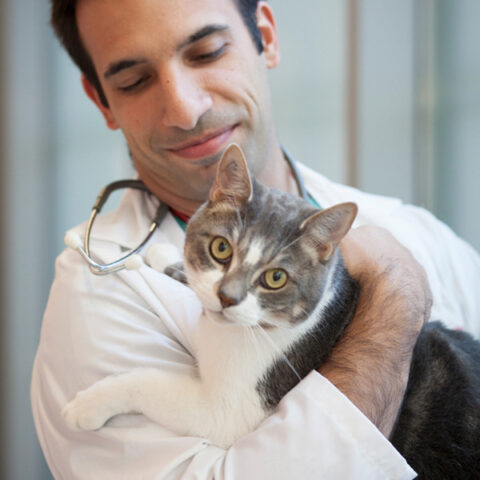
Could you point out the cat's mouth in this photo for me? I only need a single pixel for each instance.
(227, 318)
(219, 317)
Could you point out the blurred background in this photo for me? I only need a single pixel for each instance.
(381, 94)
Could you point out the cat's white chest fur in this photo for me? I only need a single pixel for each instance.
(220, 404)
(259, 301)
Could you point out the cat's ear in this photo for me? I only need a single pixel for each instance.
(327, 227)
(233, 180)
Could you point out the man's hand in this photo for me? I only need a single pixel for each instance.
(371, 362)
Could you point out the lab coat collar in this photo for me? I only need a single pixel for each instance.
(128, 224)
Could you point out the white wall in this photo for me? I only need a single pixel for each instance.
(386, 97)
(419, 106)
(86, 154)
(25, 186)
(309, 86)
(457, 126)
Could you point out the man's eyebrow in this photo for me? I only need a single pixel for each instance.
(202, 33)
(116, 67)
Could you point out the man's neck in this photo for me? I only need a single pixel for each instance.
(277, 173)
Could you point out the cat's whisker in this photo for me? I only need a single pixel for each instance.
(278, 326)
(239, 217)
(315, 335)
(255, 342)
(244, 219)
(292, 243)
(233, 202)
(278, 350)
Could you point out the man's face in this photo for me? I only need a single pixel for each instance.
(183, 79)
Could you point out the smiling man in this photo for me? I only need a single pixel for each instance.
(182, 79)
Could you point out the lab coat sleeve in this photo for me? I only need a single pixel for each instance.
(451, 264)
(96, 326)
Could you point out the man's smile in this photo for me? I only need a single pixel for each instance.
(206, 146)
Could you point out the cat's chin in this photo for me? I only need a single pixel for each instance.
(219, 317)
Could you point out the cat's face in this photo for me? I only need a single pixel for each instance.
(257, 256)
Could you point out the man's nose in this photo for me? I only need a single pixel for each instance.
(184, 99)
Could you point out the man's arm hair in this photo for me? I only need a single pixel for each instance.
(371, 361)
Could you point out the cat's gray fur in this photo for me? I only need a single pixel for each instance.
(438, 428)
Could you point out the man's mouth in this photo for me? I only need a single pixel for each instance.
(206, 146)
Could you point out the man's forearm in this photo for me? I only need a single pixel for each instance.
(371, 362)
(370, 368)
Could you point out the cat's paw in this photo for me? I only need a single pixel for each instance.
(161, 255)
(86, 412)
(177, 272)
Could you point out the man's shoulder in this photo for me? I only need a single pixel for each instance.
(328, 193)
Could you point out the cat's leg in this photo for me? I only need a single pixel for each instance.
(177, 272)
(178, 402)
(166, 258)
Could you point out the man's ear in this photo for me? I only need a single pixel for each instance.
(268, 30)
(92, 94)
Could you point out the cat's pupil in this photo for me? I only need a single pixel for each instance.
(277, 276)
(222, 246)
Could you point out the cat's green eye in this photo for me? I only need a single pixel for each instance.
(275, 278)
(221, 250)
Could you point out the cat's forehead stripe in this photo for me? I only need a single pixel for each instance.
(255, 252)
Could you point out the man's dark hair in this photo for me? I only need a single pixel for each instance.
(63, 20)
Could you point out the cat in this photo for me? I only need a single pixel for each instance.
(268, 271)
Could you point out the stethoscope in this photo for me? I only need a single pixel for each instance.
(132, 260)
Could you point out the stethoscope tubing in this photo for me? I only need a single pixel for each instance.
(131, 260)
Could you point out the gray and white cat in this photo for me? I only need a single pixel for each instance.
(267, 272)
(276, 298)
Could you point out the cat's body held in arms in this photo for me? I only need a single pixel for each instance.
(276, 297)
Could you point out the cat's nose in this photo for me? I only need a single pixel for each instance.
(226, 300)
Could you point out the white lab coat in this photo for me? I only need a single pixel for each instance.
(96, 326)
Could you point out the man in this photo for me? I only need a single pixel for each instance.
(182, 79)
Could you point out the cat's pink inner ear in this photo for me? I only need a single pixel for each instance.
(233, 179)
(329, 226)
